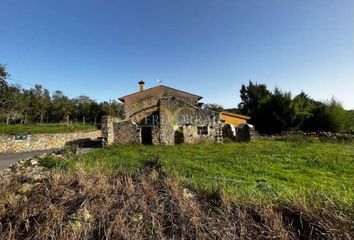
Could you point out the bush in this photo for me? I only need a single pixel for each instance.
(325, 117)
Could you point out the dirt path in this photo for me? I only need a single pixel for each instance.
(6, 159)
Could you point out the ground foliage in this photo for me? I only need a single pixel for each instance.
(298, 181)
(147, 205)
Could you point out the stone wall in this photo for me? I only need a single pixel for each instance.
(347, 136)
(107, 128)
(190, 134)
(215, 133)
(178, 115)
(245, 133)
(8, 144)
(166, 124)
(339, 136)
(167, 117)
(140, 106)
(156, 136)
(126, 132)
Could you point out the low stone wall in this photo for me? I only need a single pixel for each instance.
(8, 144)
(339, 136)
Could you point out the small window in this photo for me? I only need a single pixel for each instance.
(202, 130)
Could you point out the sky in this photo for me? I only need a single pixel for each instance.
(103, 48)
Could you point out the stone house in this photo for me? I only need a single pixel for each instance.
(162, 115)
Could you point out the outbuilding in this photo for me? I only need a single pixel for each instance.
(233, 119)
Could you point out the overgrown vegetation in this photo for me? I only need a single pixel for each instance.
(149, 205)
(44, 128)
(294, 188)
(146, 205)
(319, 175)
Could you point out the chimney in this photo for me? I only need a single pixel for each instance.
(141, 84)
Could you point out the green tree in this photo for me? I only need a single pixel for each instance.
(113, 108)
(83, 109)
(61, 107)
(10, 98)
(39, 103)
(24, 105)
(275, 113)
(95, 112)
(336, 116)
(349, 120)
(4, 90)
(251, 96)
(213, 107)
(14, 102)
(303, 107)
(3, 73)
(328, 116)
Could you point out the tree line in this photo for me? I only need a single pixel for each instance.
(276, 111)
(270, 111)
(38, 105)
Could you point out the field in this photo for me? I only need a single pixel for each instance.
(43, 128)
(293, 188)
(271, 172)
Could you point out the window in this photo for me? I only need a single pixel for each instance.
(202, 130)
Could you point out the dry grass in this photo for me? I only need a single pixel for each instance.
(146, 205)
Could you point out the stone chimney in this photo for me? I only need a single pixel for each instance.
(141, 85)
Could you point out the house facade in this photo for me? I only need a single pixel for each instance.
(162, 115)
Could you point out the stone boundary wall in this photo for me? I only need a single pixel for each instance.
(8, 144)
(339, 136)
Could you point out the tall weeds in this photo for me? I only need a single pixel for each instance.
(146, 205)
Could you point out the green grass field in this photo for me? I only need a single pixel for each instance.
(43, 128)
(312, 173)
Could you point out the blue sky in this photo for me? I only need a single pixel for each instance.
(103, 48)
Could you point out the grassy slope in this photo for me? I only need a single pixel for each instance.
(43, 128)
(318, 174)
